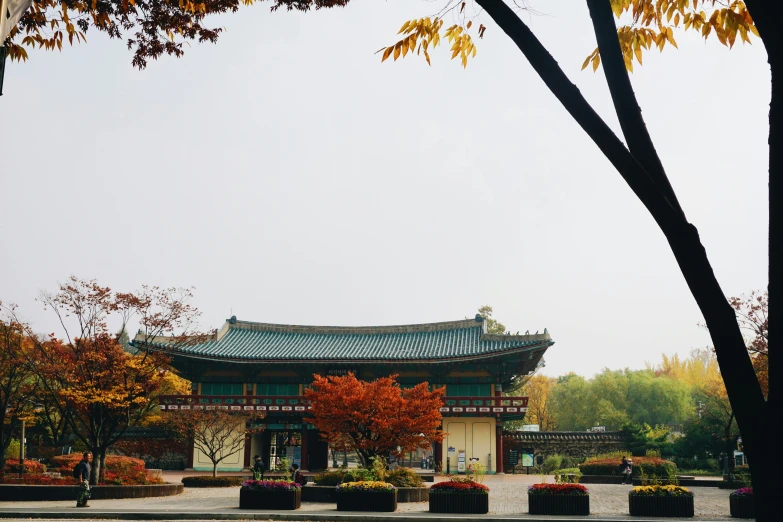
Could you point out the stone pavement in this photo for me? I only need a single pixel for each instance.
(508, 501)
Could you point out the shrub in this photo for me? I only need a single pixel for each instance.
(208, 481)
(329, 478)
(30, 466)
(368, 485)
(610, 455)
(651, 465)
(404, 478)
(39, 479)
(359, 475)
(557, 489)
(116, 464)
(660, 491)
(562, 475)
(552, 463)
(461, 486)
(271, 485)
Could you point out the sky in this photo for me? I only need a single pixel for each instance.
(291, 177)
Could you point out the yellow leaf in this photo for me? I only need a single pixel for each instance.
(754, 30)
(596, 62)
(470, 22)
(638, 53)
(587, 62)
(404, 47)
(397, 49)
(676, 19)
(387, 53)
(404, 26)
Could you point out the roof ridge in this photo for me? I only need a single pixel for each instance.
(390, 329)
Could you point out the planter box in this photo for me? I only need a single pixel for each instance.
(367, 501)
(458, 502)
(651, 506)
(269, 499)
(742, 506)
(559, 504)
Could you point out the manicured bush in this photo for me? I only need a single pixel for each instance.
(551, 463)
(405, 478)
(207, 481)
(329, 478)
(39, 479)
(568, 475)
(114, 463)
(371, 486)
(30, 466)
(651, 465)
(271, 485)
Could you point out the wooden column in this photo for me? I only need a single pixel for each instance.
(191, 451)
(499, 434)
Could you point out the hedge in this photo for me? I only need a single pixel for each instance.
(652, 466)
(113, 463)
(30, 466)
(207, 481)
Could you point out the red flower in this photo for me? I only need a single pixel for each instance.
(557, 489)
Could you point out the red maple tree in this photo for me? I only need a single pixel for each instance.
(377, 418)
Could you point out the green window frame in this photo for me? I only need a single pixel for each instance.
(468, 390)
(272, 389)
(222, 388)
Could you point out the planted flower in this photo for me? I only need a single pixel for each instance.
(273, 485)
(742, 492)
(558, 499)
(741, 503)
(459, 496)
(660, 501)
(369, 495)
(661, 491)
(557, 489)
(367, 485)
(270, 494)
(452, 486)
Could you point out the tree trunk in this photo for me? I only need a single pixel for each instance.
(214, 469)
(98, 464)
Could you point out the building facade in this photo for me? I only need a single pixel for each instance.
(265, 368)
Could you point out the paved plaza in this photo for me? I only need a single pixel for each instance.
(508, 496)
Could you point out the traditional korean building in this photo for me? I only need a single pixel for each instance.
(265, 367)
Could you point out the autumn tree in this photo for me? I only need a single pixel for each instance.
(216, 433)
(96, 387)
(538, 389)
(377, 418)
(17, 384)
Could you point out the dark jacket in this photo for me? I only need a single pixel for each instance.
(258, 467)
(84, 469)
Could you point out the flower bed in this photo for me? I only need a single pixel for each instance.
(741, 503)
(459, 497)
(118, 471)
(270, 494)
(369, 495)
(660, 501)
(558, 499)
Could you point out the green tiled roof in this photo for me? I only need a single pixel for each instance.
(241, 340)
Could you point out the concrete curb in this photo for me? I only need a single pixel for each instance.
(306, 516)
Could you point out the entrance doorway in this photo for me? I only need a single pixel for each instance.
(284, 444)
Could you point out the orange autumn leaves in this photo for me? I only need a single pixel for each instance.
(377, 418)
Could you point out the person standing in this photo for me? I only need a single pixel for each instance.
(82, 473)
(626, 470)
(258, 468)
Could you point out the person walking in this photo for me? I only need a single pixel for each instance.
(258, 468)
(82, 473)
(626, 468)
(297, 476)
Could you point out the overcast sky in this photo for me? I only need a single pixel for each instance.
(292, 178)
